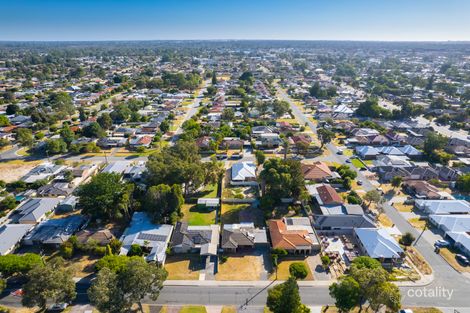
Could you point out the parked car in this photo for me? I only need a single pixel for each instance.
(441, 243)
(57, 307)
(348, 160)
(340, 152)
(406, 311)
(359, 182)
(462, 259)
(17, 293)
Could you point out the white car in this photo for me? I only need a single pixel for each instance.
(441, 243)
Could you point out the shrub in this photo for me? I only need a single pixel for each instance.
(135, 250)
(223, 259)
(99, 250)
(325, 260)
(66, 250)
(298, 270)
(115, 245)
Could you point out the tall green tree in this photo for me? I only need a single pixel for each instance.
(347, 294)
(117, 292)
(24, 137)
(49, 283)
(105, 121)
(178, 164)
(325, 136)
(285, 298)
(61, 103)
(106, 197)
(164, 202)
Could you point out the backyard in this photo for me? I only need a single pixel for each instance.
(198, 215)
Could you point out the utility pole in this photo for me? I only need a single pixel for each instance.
(105, 157)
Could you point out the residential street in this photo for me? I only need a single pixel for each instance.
(444, 275)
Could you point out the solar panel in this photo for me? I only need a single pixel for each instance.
(151, 237)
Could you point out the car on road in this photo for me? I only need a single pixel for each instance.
(57, 307)
(406, 311)
(441, 243)
(348, 160)
(339, 152)
(17, 293)
(462, 259)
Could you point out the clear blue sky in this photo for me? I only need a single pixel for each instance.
(229, 19)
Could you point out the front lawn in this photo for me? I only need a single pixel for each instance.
(357, 163)
(246, 267)
(183, 267)
(198, 215)
(417, 222)
(449, 256)
(403, 207)
(283, 269)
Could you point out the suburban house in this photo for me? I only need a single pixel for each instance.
(118, 167)
(68, 204)
(456, 228)
(293, 234)
(269, 140)
(325, 195)
(341, 219)
(423, 190)
(236, 237)
(195, 239)
(380, 245)
(317, 172)
(55, 231)
(101, 236)
(43, 171)
(243, 173)
(11, 235)
(147, 235)
(443, 206)
(36, 210)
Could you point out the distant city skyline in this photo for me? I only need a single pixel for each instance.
(368, 20)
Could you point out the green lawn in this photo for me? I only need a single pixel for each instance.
(197, 216)
(230, 212)
(357, 163)
(348, 152)
(210, 191)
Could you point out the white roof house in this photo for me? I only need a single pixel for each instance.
(451, 223)
(343, 109)
(378, 243)
(118, 167)
(42, 171)
(443, 206)
(144, 233)
(36, 209)
(243, 171)
(367, 151)
(11, 235)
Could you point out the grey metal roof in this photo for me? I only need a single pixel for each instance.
(11, 234)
